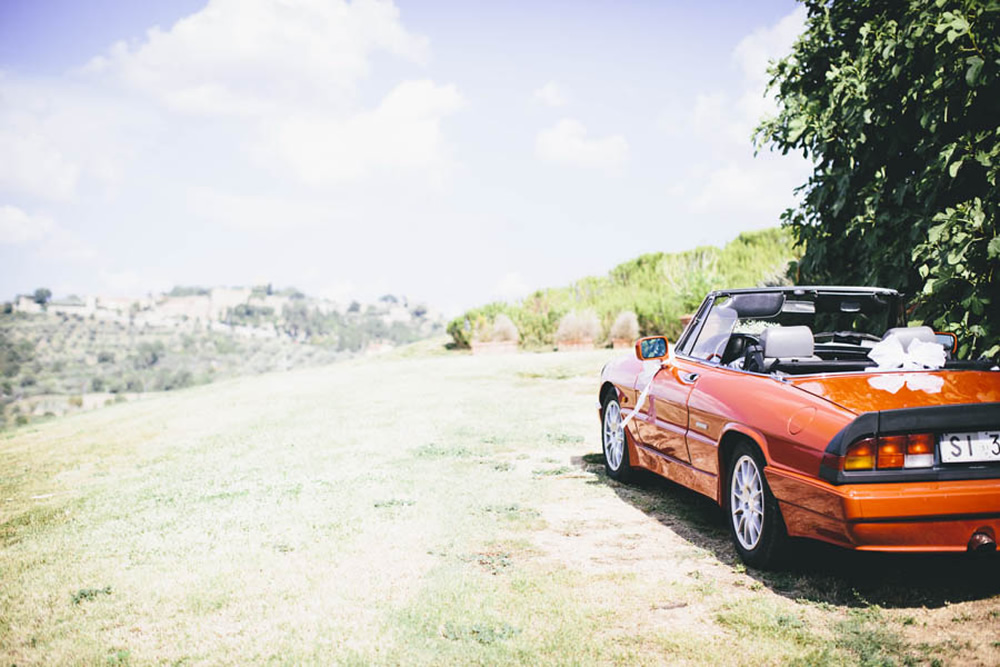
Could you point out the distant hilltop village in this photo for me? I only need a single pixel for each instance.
(254, 312)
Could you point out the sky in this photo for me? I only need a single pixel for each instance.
(452, 152)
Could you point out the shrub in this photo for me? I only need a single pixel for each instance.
(658, 287)
(148, 354)
(97, 384)
(625, 327)
(504, 330)
(75, 401)
(578, 326)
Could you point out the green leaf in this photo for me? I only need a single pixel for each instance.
(993, 249)
(954, 167)
(975, 67)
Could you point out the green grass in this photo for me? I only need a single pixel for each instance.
(409, 509)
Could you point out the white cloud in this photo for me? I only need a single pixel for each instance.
(756, 50)
(255, 213)
(283, 75)
(17, 227)
(722, 117)
(31, 163)
(551, 94)
(49, 240)
(404, 131)
(131, 282)
(732, 181)
(511, 287)
(63, 245)
(252, 57)
(748, 189)
(567, 143)
(62, 140)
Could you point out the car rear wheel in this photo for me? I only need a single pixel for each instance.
(755, 521)
(616, 461)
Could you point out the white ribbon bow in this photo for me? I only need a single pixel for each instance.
(889, 354)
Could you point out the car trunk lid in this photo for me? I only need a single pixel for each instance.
(867, 392)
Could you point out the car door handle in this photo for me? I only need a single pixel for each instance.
(688, 378)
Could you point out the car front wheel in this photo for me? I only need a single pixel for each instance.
(616, 461)
(755, 521)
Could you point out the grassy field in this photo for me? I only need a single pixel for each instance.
(420, 508)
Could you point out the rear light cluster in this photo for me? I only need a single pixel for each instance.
(891, 452)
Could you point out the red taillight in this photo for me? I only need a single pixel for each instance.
(860, 455)
(891, 452)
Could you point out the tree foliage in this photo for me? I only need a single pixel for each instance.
(898, 105)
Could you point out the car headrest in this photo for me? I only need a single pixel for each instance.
(787, 342)
(905, 335)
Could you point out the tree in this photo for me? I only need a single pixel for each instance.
(898, 106)
(42, 295)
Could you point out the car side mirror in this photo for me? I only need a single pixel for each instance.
(948, 340)
(651, 348)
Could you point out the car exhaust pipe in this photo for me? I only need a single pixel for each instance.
(983, 540)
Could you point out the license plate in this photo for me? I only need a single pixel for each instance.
(970, 447)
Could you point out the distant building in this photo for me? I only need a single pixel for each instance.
(196, 307)
(122, 305)
(73, 305)
(27, 304)
(224, 298)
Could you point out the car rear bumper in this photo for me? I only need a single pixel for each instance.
(912, 516)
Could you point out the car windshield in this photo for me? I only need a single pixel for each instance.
(843, 324)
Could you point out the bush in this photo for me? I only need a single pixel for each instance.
(75, 401)
(658, 287)
(148, 354)
(577, 327)
(504, 330)
(97, 384)
(168, 381)
(625, 327)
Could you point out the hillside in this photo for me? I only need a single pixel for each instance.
(82, 352)
(658, 287)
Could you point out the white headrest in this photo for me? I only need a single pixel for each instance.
(787, 342)
(907, 334)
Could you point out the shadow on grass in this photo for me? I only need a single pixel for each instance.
(813, 571)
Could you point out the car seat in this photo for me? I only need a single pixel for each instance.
(784, 346)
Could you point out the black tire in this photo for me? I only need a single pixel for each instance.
(614, 443)
(755, 521)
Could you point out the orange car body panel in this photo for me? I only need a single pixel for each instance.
(792, 420)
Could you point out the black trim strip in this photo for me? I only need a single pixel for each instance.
(934, 419)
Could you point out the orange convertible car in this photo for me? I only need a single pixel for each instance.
(810, 412)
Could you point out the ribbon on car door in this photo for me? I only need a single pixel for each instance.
(650, 368)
